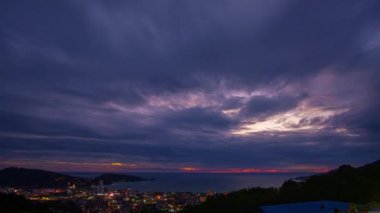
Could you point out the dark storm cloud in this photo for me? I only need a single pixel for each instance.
(261, 106)
(197, 119)
(206, 83)
(364, 121)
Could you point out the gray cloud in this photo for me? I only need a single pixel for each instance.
(145, 82)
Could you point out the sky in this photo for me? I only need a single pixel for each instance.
(189, 86)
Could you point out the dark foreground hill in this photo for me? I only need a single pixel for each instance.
(11, 203)
(21, 177)
(357, 185)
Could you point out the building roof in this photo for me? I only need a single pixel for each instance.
(310, 207)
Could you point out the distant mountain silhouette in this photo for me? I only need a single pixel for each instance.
(346, 183)
(109, 178)
(21, 177)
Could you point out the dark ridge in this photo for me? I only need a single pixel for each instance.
(109, 178)
(21, 177)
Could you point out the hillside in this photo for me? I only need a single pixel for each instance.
(21, 177)
(11, 203)
(359, 185)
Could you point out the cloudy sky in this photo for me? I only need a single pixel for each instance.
(201, 86)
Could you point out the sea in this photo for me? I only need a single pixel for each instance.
(199, 182)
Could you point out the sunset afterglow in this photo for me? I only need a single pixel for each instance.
(189, 86)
